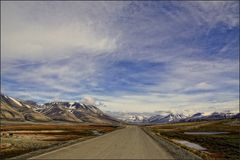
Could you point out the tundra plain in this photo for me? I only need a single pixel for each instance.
(225, 145)
(20, 138)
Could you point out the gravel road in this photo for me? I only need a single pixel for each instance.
(128, 143)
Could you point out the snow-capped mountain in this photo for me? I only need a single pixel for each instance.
(72, 106)
(131, 117)
(216, 116)
(16, 109)
(195, 117)
(155, 118)
(166, 118)
(148, 117)
(136, 118)
(159, 117)
(219, 115)
(75, 112)
(213, 116)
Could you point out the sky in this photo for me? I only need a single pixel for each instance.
(130, 56)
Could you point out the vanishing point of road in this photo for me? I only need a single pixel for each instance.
(128, 143)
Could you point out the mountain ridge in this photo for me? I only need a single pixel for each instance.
(171, 117)
(13, 109)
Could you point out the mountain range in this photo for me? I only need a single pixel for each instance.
(131, 117)
(170, 117)
(13, 109)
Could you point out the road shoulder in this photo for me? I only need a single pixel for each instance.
(176, 151)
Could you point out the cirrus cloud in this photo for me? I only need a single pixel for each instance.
(136, 56)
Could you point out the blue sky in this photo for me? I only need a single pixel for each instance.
(132, 56)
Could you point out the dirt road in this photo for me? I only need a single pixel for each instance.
(128, 143)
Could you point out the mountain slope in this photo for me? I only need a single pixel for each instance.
(18, 108)
(76, 112)
(213, 116)
(57, 112)
(166, 119)
(8, 113)
(131, 117)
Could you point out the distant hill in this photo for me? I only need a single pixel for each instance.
(13, 109)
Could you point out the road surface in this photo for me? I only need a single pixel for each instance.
(128, 143)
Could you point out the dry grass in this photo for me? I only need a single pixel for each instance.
(224, 146)
(17, 139)
(33, 127)
(20, 145)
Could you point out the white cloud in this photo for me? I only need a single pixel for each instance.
(51, 42)
(88, 100)
(67, 46)
(203, 86)
(64, 76)
(173, 102)
(213, 12)
(45, 34)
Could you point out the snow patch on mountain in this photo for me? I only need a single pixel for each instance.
(169, 116)
(18, 103)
